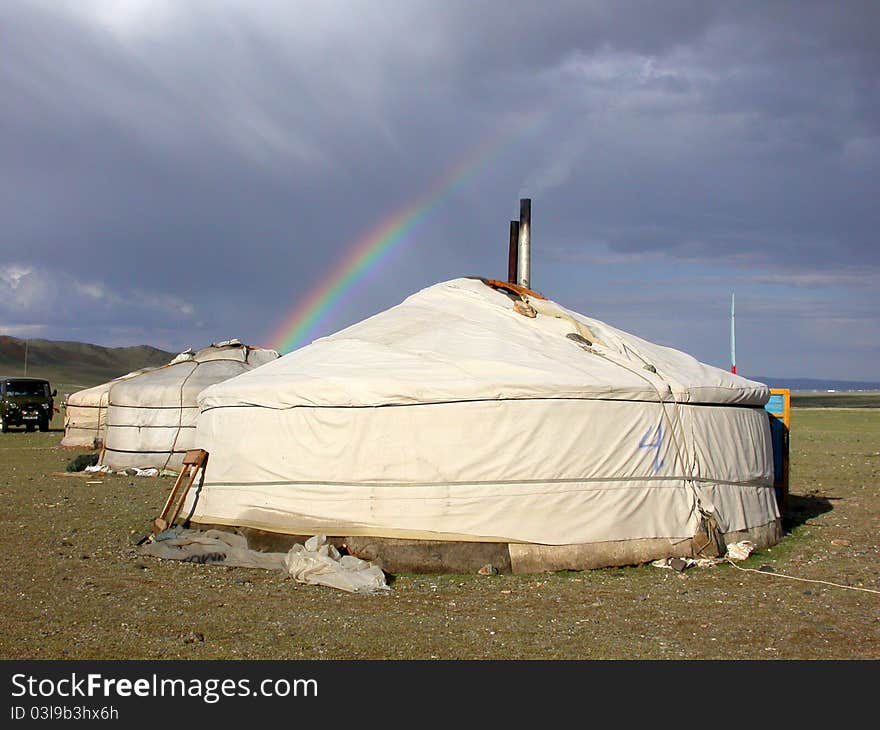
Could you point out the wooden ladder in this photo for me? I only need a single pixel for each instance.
(193, 461)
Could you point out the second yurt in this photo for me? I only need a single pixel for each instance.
(151, 418)
(85, 413)
(479, 422)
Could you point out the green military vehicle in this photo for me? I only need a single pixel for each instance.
(25, 402)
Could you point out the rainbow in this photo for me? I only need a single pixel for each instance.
(367, 252)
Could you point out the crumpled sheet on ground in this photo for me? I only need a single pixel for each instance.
(315, 563)
(735, 551)
(320, 563)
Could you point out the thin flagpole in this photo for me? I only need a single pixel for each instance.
(733, 333)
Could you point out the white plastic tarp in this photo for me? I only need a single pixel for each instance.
(316, 562)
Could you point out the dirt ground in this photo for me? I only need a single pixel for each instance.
(72, 586)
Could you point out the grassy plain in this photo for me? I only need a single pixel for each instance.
(72, 586)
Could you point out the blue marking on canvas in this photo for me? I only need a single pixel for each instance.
(656, 442)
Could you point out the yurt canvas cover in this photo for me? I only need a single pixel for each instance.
(151, 419)
(85, 413)
(472, 414)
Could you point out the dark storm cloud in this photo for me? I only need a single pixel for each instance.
(222, 156)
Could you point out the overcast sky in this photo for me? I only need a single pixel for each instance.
(176, 172)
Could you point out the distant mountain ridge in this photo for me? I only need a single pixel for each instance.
(75, 363)
(816, 383)
(83, 365)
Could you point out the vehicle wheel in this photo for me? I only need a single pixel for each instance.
(44, 424)
(29, 427)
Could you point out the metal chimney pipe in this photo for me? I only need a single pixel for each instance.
(512, 252)
(525, 224)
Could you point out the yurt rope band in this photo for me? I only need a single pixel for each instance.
(708, 524)
(423, 404)
(530, 304)
(639, 483)
(180, 417)
(585, 338)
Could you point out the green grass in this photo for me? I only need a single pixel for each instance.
(836, 400)
(72, 586)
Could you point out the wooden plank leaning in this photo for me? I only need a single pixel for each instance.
(193, 461)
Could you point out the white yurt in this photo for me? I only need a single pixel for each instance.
(151, 418)
(85, 413)
(477, 414)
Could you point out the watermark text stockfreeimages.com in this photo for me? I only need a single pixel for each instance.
(210, 690)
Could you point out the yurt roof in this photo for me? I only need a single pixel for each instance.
(465, 339)
(89, 396)
(189, 373)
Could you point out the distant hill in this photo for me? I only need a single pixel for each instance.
(81, 365)
(75, 364)
(815, 384)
